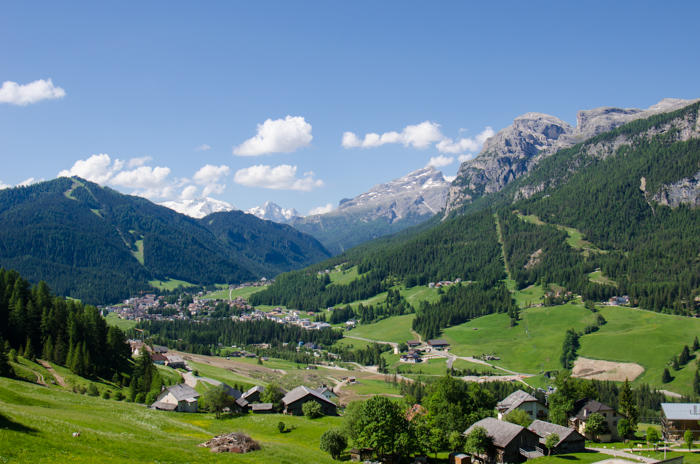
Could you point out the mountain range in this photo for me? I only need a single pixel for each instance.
(385, 209)
(198, 207)
(98, 245)
(272, 212)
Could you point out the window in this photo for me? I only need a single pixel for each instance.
(614, 423)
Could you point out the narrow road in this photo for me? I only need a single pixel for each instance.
(59, 379)
(623, 454)
(395, 345)
(39, 378)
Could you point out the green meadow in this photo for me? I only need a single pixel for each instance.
(169, 284)
(36, 425)
(124, 324)
(534, 344)
(241, 292)
(394, 329)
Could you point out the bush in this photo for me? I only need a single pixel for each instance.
(312, 410)
(333, 441)
(281, 426)
(92, 390)
(195, 373)
(106, 395)
(119, 396)
(140, 398)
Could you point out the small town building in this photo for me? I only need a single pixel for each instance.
(160, 349)
(676, 418)
(438, 344)
(180, 398)
(570, 441)
(585, 408)
(460, 458)
(174, 361)
(511, 442)
(158, 359)
(262, 408)
(253, 395)
(524, 401)
(241, 406)
(327, 392)
(413, 343)
(295, 399)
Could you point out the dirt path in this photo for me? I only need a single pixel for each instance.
(58, 378)
(40, 378)
(622, 454)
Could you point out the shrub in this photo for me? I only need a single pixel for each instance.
(281, 426)
(106, 395)
(312, 410)
(92, 390)
(119, 396)
(333, 441)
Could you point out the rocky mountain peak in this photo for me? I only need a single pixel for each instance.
(198, 207)
(272, 212)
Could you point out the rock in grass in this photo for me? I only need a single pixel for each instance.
(235, 442)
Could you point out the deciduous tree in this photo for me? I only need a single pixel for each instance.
(333, 442)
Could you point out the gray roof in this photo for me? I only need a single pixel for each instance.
(256, 388)
(164, 406)
(261, 406)
(514, 400)
(437, 342)
(300, 392)
(502, 432)
(583, 408)
(183, 392)
(543, 429)
(681, 411)
(230, 391)
(241, 402)
(324, 389)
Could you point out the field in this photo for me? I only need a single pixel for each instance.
(575, 239)
(599, 278)
(533, 345)
(345, 277)
(241, 292)
(645, 338)
(528, 296)
(36, 424)
(169, 284)
(113, 319)
(394, 329)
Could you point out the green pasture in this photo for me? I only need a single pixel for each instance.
(394, 329)
(374, 387)
(224, 375)
(124, 324)
(535, 343)
(344, 277)
(37, 423)
(240, 292)
(645, 338)
(528, 296)
(169, 284)
(573, 458)
(599, 278)
(139, 253)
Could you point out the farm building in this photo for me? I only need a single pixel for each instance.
(438, 344)
(676, 418)
(262, 408)
(327, 392)
(295, 399)
(511, 442)
(570, 441)
(180, 398)
(253, 395)
(524, 401)
(585, 408)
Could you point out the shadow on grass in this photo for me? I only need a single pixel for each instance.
(9, 424)
(567, 457)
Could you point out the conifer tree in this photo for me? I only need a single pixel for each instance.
(69, 357)
(29, 350)
(47, 354)
(666, 376)
(685, 356)
(5, 368)
(696, 383)
(628, 404)
(696, 344)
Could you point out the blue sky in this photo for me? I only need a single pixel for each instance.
(137, 87)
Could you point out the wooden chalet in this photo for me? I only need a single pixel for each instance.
(295, 399)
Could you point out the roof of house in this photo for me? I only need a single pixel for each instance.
(262, 406)
(182, 392)
(502, 432)
(584, 407)
(164, 406)
(241, 402)
(437, 342)
(256, 388)
(514, 400)
(300, 392)
(158, 357)
(543, 429)
(230, 391)
(174, 358)
(324, 389)
(681, 411)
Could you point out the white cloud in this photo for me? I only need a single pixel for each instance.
(97, 168)
(209, 176)
(463, 158)
(189, 192)
(278, 178)
(136, 162)
(278, 136)
(144, 177)
(321, 209)
(449, 178)
(22, 95)
(202, 147)
(4, 186)
(29, 181)
(419, 136)
(440, 161)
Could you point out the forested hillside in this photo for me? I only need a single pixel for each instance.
(98, 245)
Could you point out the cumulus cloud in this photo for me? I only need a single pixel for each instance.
(321, 209)
(4, 186)
(278, 178)
(144, 177)
(419, 136)
(449, 178)
(209, 176)
(97, 168)
(136, 162)
(189, 193)
(202, 147)
(440, 161)
(278, 136)
(29, 181)
(22, 95)
(463, 158)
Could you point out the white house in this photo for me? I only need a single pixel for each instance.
(180, 398)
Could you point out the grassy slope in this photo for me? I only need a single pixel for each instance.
(113, 319)
(394, 329)
(241, 292)
(36, 424)
(647, 338)
(223, 375)
(169, 284)
(529, 352)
